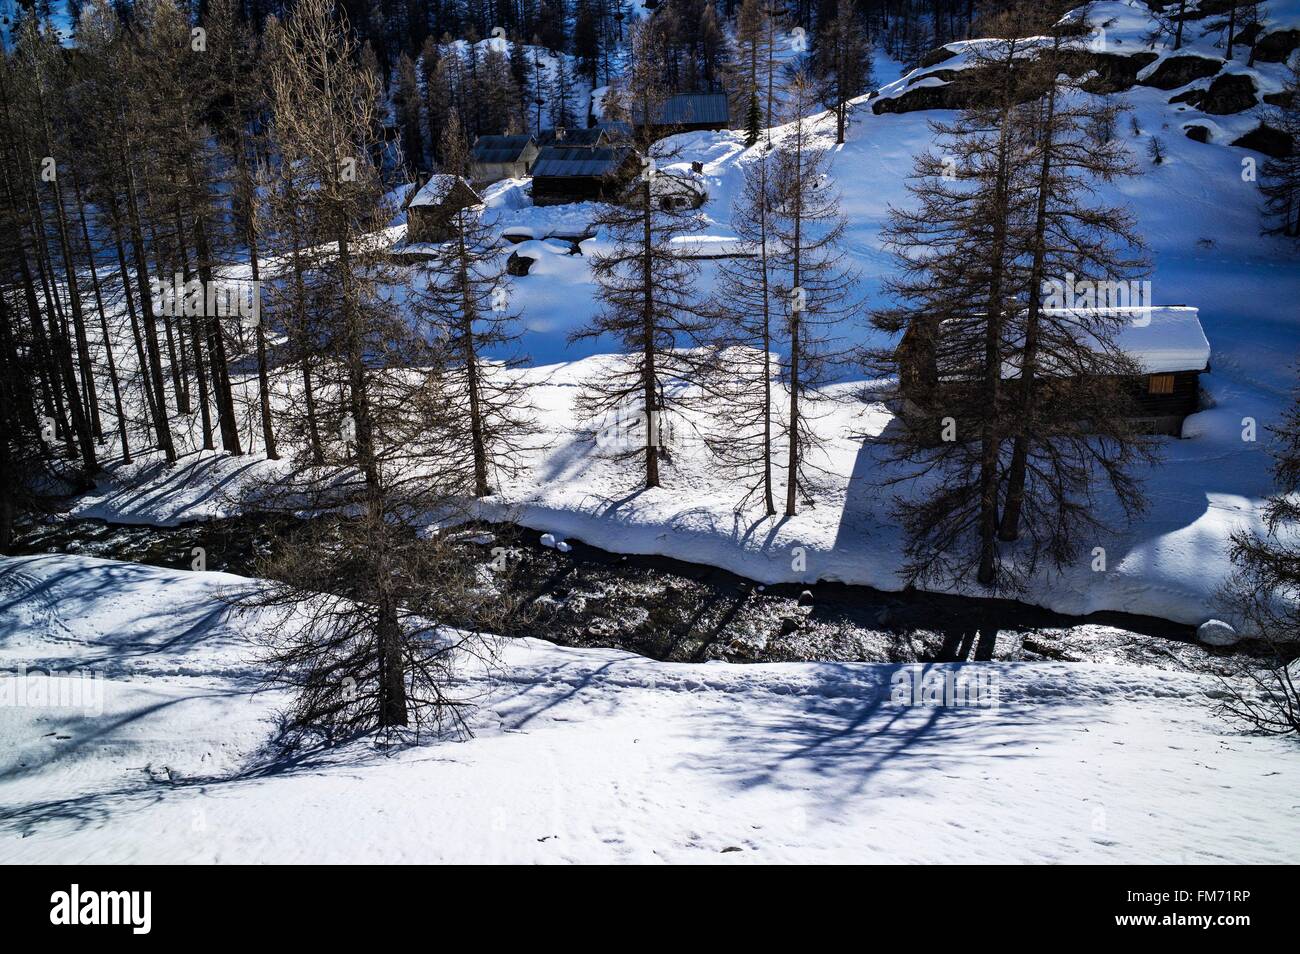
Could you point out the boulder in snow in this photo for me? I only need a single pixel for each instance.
(1215, 632)
(1178, 71)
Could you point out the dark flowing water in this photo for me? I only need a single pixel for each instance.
(671, 610)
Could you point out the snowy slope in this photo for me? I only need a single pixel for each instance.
(604, 756)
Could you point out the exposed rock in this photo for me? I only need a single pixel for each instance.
(1197, 132)
(947, 96)
(1277, 99)
(806, 598)
(1229, 93)
(1276, 47)
(518, 264)
(936, 56)
(1180, 70)
(963, 88)
(789, 624)
(1264, 138)
(1115, 71)
(946, 75)
(1215, 632)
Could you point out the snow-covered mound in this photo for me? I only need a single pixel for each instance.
(602, 756)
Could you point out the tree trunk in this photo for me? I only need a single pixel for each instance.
(648, 371)
(1015, 494)
(161, 423)
(481, 488)
(796, 309)
(197, 347)
(216, 342)
(114, 382)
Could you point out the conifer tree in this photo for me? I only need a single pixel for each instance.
(462, 301)
(817, 282)
(842, 62)
(1264, 592)
(366, 656)
(750, 307)
(645, 289)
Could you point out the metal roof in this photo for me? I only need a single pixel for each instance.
(685, 109)
(580, 161)
(591, 136)
(500, 148)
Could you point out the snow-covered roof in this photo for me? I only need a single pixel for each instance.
(1162, 339)
(439, 186)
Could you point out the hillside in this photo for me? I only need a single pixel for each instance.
(1198, 213)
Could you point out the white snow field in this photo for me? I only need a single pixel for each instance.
(601, 756)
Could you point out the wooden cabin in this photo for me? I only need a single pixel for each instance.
(687, 112)
(1173, 353)
(502, 157)
(430, 210)
(565, 173)
(1166, 343)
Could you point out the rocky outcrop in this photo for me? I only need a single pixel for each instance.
(962, 88)
(946, 75)
(1197, 132)
(1115, 72)
(936, 56)
(1277, 47)
(1264, 138)
(1178, 71)
(1229, 93)
(518, 265)
(945, 96)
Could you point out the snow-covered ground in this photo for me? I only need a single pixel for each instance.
(1169, 565)
(596, 755)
